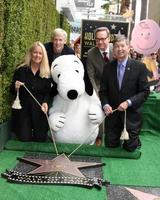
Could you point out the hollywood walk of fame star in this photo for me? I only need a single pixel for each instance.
(113, 27)
(60, 164)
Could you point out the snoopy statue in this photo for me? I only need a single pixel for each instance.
(75, 114)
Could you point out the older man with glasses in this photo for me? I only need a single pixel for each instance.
(97, 57)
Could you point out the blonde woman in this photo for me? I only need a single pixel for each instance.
(30, 122)
(152, 66)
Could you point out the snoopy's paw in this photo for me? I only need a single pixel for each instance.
(96, 115)
(57, 121)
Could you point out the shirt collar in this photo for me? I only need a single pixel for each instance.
(124, 62)
(107, 50)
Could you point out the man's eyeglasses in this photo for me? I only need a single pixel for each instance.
(100, 39)
(152, 54)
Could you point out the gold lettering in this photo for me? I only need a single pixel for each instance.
(89, 36)
(89, 43)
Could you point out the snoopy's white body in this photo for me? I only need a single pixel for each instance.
(74, 116)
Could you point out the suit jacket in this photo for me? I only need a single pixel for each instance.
(134, 85)
(95, 65)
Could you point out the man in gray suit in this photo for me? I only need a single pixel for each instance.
(123, 87)
(97, 57)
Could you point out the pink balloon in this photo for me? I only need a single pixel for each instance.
(145, 37)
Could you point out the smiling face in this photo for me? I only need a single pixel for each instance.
(102, 40)
(121, 50)
(145, 37)
(58, 42)
(37, 55)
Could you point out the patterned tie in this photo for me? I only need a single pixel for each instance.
(105, 57)
(120, 74)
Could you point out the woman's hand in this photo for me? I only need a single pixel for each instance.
(44, 107)
(18, 84)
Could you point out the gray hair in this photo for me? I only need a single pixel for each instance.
(102, 29)
(120, 38)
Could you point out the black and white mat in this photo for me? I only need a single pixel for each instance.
(93, 175)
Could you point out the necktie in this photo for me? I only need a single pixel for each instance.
(120, 73)
(105, 57)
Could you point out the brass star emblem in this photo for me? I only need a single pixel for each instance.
(60, 164)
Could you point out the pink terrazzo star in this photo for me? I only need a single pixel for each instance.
(142, 195)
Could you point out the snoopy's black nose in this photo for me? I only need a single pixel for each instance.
(72, 94)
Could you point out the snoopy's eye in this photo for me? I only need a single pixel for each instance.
(148, 34)
(77, 71)
(58, 75)
(141, 34)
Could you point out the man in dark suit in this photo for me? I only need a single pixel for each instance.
(97, 57)
(124, 86)
(57, 46)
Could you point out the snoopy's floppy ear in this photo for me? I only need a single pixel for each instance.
(88, 84)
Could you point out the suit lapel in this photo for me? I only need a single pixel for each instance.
(127, 72)
(114, 68)
(99, 56)
(99, 62)
(98, 53)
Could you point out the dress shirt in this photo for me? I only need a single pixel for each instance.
(107, 51)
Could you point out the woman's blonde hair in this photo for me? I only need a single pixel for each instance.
(44, 66)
